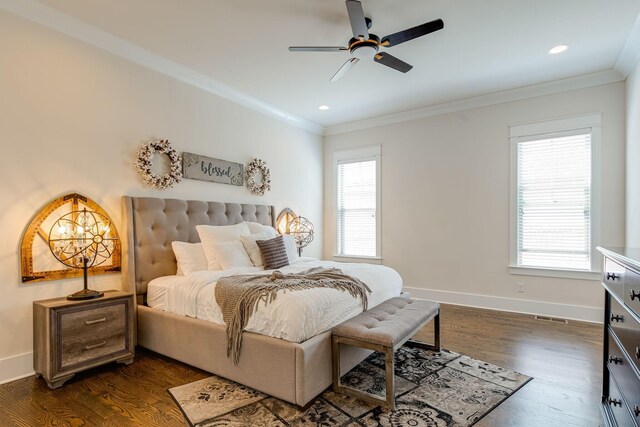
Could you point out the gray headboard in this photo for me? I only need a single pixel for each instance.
(151, 224)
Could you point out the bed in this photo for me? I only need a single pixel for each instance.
(292, 371)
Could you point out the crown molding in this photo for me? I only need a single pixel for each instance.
(630, 53)
(49, 17)
(549, 88)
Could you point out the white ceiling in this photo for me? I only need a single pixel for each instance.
(486, 46)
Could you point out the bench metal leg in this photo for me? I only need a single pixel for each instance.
(335, 350)
(436, 338)
(390, 400)
(436, 333)
(338, 387)
(389, 365)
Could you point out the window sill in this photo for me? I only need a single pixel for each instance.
(356, 258)
(558, 273)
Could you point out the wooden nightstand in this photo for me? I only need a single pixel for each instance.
(71, 336)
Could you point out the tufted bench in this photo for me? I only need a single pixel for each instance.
(384, 328)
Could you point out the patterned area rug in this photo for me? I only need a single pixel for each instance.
(432, 389)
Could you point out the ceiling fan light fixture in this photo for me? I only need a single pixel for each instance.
(558, 49)
(364, 52)
(323, 107)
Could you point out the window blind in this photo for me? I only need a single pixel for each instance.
(554, 202)
(357, 207)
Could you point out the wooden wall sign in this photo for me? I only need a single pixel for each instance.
(205, 168)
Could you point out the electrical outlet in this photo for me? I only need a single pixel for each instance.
(521, 287)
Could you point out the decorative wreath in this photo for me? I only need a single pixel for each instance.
(144, 162)
(255, 166)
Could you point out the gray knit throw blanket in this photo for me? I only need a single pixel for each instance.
(239, 296)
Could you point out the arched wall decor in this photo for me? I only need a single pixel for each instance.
(38, 263)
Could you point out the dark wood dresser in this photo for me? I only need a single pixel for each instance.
(621, 362)
(71, 336)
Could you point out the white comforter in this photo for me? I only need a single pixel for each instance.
(293, 316)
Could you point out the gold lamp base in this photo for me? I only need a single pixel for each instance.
(85, 294)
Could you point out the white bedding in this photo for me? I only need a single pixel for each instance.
(293, 316)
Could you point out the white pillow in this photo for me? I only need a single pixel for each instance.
(211, 235)
(252, 248)
(290, 246)
(190, 257)
(232, 255)
(257, 228)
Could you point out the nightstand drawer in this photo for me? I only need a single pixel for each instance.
(91, 334)
(98, 323)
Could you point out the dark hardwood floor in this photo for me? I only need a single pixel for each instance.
(564, 359)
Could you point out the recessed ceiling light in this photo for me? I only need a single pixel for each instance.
(558, 49)
(323, 107)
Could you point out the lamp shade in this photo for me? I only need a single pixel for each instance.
(82, 239)
(302, 230)
(284, 220)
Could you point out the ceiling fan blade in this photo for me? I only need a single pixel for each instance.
(412, 33)
(317, 48)
(356, 17)
(392, 62)
(344, 69)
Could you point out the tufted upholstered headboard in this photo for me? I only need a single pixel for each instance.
(151, 224)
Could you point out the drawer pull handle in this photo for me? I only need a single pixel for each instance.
(636, 410)
(615, 402)
(633, 294)
(612, 276)
(92, 346)
(93, 322)
(615, 360)
(616, 318)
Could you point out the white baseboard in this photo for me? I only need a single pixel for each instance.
(563, 311)
(16, 367)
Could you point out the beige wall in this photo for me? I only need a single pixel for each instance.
(445, 199)
(633, 158)
(72, 118)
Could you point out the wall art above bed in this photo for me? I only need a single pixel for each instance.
(258, 177)
(144, 164)
(195, 166)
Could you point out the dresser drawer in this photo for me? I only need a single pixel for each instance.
(613, 277)
(627, 329)
(617, 406)
(625, 376)
(632, 290)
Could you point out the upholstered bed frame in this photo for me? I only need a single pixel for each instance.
(295, 372)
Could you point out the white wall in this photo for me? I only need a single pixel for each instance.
(72, 118)
(633, 158)
(445, 202)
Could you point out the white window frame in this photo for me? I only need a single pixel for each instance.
(549, 129)
(354, 155)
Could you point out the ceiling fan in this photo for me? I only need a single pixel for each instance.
(366, 46)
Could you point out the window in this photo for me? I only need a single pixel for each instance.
(554, 186)
(357, 174)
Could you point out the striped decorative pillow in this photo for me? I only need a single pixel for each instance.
(274, 253)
